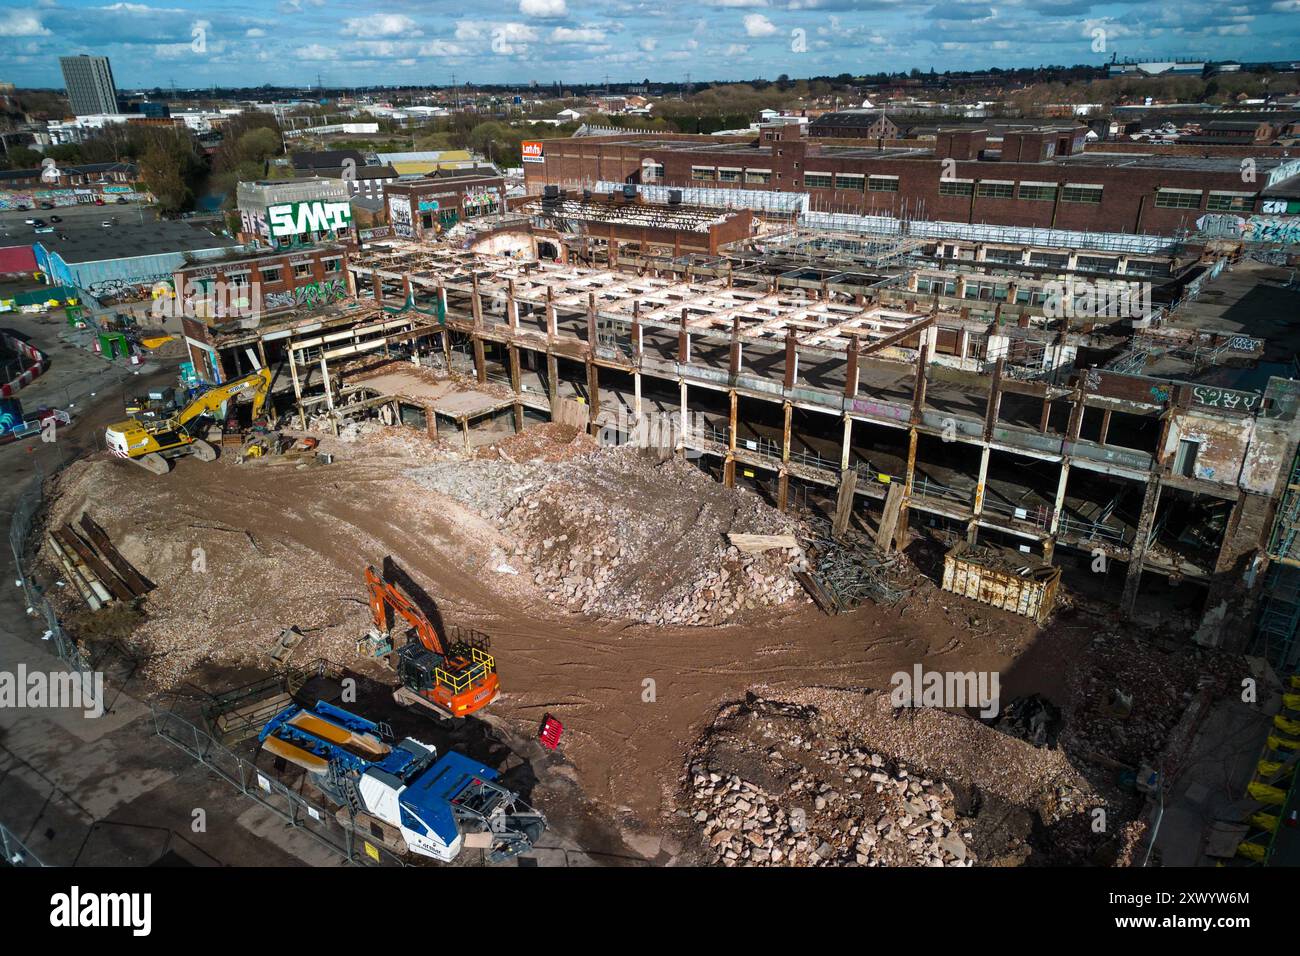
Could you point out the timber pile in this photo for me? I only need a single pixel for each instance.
(85, 556)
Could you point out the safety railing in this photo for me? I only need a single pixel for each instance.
(928, 488)
(482, 664)
(1089, 530)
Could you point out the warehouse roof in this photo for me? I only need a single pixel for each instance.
(95, 243)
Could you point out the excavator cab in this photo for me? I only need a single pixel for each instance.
(451, 679)
(462, 682)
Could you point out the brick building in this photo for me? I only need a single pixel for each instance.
(248, 288)
(1042, 177)
(421, 208)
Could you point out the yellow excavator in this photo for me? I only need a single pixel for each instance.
(151, 444)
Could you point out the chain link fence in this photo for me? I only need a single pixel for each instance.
(20, 527)
(307, 817)
(15, 852)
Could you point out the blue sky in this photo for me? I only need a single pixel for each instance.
(290, 42)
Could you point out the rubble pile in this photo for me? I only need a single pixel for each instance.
(859, 811)
(827, 777)
(1128, 694)
(618, 534)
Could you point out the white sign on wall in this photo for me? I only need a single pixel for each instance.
(299, 218)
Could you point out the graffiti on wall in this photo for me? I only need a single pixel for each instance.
(1226, 398)
(311, 296)
(1270, 229)
(399, 215)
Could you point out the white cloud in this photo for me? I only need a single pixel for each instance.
(255, 32)
(20, 23)
(757, 25)
(546, 9)
(649, 43)
(736, 49)
(583, 35)
(316, 51)
(382, 25)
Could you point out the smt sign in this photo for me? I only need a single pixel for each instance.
(296, 219)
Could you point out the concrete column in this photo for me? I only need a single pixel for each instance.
(297, 388)
(593, 397)
(480, 361)
(729, 465)
(681, 442)
(1146, 518)
(846, 444)
(783, 476)
(1059, 504)
(636, 399)
(476, 303)
(552, 380)
(515, 387)
(329, 395)
(977, 508)
(512, 309)
(851, 368)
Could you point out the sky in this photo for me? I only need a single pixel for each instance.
(194, 44)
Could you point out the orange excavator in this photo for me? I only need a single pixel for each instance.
(451, 680)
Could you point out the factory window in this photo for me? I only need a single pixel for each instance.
(704, 173)
(1178, 198)
(238, 278)
(1230, 202)
(953, 187)
(1083, 194)
(818, 181)
(333, 265)
(849, 181)
(1040, 192)
(302, 270)
(758, 175)
(882, 184)
(996, 190)
(271, 273)
(654, 171)
(728, 175)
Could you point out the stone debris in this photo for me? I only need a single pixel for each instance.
(617, 534)
(784, 783)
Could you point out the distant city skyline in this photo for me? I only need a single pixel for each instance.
(398, 42)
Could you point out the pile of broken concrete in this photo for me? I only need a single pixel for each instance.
(873, 814)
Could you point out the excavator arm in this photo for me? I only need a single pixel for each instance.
(385, 595)
(208, 402)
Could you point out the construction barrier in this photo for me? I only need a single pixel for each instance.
(37, 363)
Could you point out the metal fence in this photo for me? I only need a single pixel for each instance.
(15, 851)
(312, 820)
(60, 644)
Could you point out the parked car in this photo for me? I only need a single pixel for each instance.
(56, 219)
(47, 205)
(107, 223)
(36, 222)
(122, 200)
(30, 222)
(98, 201)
